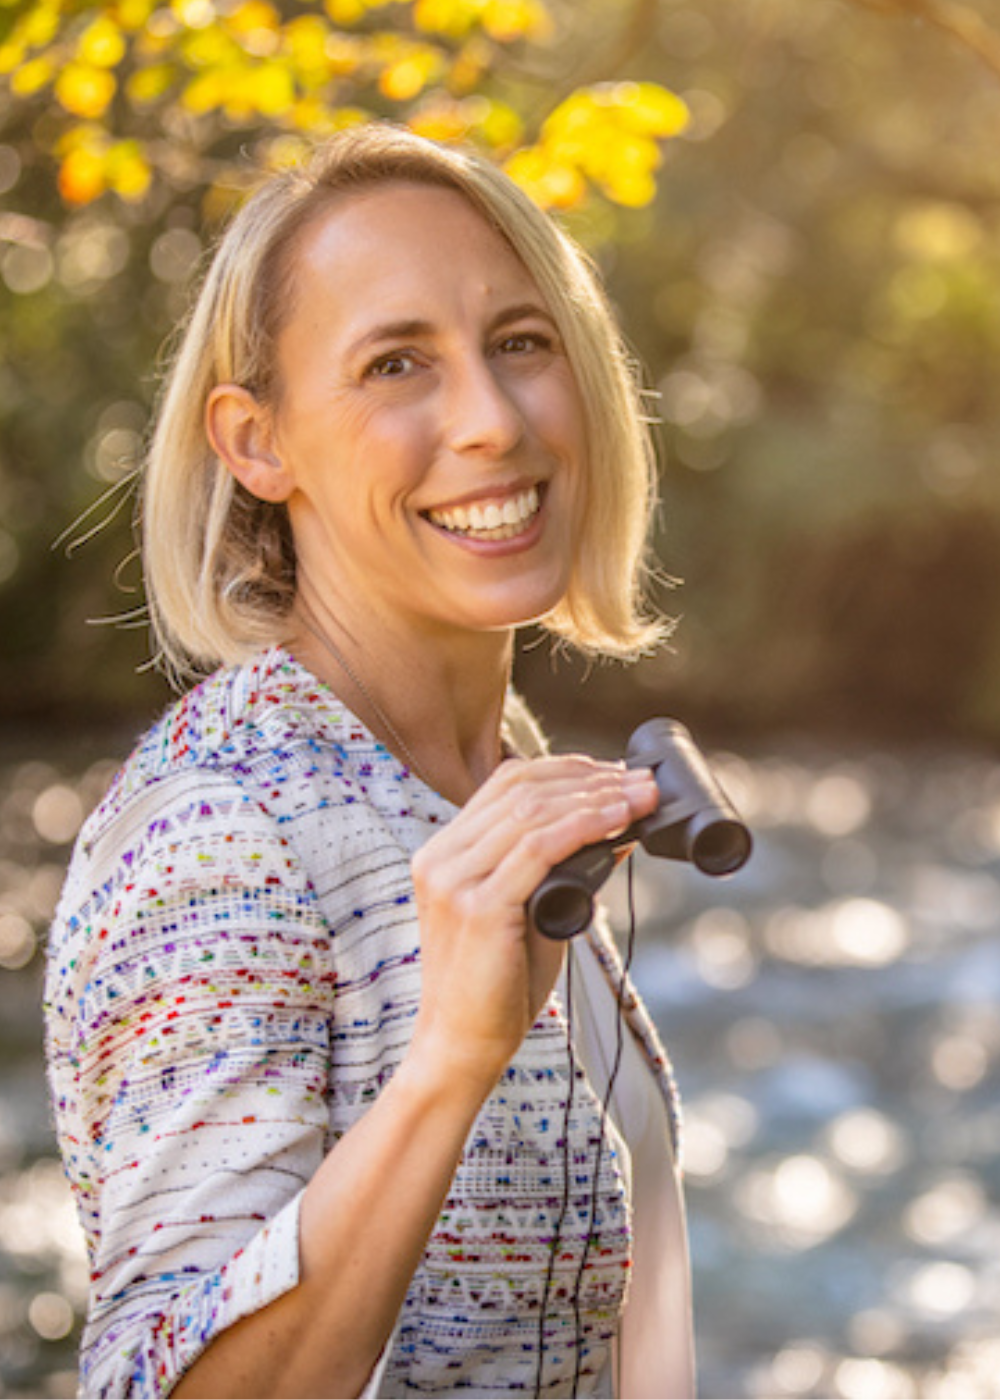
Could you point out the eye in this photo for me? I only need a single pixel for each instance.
(524, 343)
(391, 366)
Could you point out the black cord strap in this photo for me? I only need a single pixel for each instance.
(567, 1171)
(580, 1326)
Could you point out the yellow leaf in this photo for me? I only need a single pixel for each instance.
(40, 24)
(343, 117)
(286, 153)
(31, 77)
(194, 14)
(240, 101)
(210, 48)
(101, 44)
(82, 177)
(506, 20)
(526, 166)
(205, 93)
(311, 114)
(345, 11)
(441, 121)
(254, 14)
(256, 26)
(11, 56)
(133, 15)
(619, 152)
(650, 109)
(407, 77)
(239, 106)
(128, 171)
(272, 88)
(550, 184)
(149, 84)
(501, 125)
(85, 91)
(575, 119)
(452, 18)
(343, 55)
(305, 41)
(631, 187)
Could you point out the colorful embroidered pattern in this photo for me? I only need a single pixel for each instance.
(233, 973)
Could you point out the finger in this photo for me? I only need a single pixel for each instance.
(525, 796)
(592, 807)
(522, 867)
(535, 827)
(515, 773)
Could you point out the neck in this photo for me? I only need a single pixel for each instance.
(435, 702)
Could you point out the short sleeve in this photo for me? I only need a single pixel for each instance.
(189, 1001)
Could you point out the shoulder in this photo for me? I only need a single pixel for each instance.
(258, 777)
(246, 728)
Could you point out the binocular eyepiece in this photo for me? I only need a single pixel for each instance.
(694, 821)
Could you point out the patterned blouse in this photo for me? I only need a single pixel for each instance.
(234, 969)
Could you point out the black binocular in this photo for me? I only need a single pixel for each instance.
(694, 821)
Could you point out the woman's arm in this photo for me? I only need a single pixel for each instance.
(364, 1221)
(372, 1204)
(190, 996)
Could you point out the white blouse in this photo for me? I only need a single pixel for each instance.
(233, 972)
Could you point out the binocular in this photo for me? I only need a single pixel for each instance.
(694, 821)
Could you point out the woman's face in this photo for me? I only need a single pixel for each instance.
(428, 421)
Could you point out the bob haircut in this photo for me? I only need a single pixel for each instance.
(219, 564)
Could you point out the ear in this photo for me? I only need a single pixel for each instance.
(240, 429)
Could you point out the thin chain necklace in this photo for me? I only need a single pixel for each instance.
(399, 743)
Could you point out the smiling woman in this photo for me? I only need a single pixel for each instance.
(336, 1119)
(417, 393)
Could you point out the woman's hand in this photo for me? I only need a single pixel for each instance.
(486, 974)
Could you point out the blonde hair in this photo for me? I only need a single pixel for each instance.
(220, 564)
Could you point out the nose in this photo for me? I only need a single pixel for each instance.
(483, 416)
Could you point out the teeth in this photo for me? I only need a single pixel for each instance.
(492, 520)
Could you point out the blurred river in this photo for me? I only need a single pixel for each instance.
(833, 1012)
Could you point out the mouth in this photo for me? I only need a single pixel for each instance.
(500, 519)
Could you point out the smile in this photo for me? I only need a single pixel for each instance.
(489, 520)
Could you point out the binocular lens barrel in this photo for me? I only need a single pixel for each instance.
(694, 821)
(563, 904)
(719, 845)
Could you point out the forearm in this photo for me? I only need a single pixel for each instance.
(365, 1220)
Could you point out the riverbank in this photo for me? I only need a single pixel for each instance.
(833, 1012)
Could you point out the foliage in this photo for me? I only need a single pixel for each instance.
(812, 280)
(129, 129)
(816, 292)
(142, 98)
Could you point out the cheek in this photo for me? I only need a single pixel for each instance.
(569, 435)
(553, 406)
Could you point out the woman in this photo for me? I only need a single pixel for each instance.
(333, 1127)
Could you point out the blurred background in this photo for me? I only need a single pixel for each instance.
(795, 204)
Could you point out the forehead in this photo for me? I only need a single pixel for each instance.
(402, 240)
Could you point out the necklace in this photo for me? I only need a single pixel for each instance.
(399, 743)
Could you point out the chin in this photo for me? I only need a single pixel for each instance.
(503, 619)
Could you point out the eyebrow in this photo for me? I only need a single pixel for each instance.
(416, 327)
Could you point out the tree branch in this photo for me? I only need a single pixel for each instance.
(612, 58)
(957, 20)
